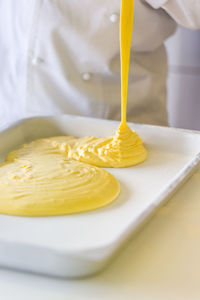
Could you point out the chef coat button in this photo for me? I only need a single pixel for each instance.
(86, 76)
(37, 60)
(114, 18)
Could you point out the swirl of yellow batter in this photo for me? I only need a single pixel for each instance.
(124, 149)
(51, 184)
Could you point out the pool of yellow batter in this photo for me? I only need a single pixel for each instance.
(59, 175)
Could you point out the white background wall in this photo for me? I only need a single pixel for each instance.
(184, 79)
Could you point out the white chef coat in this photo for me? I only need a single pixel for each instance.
(63, 56)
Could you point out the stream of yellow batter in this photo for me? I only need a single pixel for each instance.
(62, 175)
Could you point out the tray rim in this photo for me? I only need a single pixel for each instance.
(18, 122)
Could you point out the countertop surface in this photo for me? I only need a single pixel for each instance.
(161, 262)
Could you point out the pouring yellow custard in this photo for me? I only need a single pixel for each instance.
(61, 175)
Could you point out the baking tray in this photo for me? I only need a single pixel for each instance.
(82, 244)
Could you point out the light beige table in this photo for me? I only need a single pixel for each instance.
(161, 263)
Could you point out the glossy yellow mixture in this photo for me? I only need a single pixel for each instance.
(61, 175)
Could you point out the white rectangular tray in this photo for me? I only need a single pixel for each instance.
(81, 244)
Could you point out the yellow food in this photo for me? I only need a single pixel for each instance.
(51, 184)
(61, 175)
(122, 150)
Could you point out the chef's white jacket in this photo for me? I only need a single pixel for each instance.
(63, 56)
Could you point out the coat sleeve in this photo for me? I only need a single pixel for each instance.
(184, 12)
